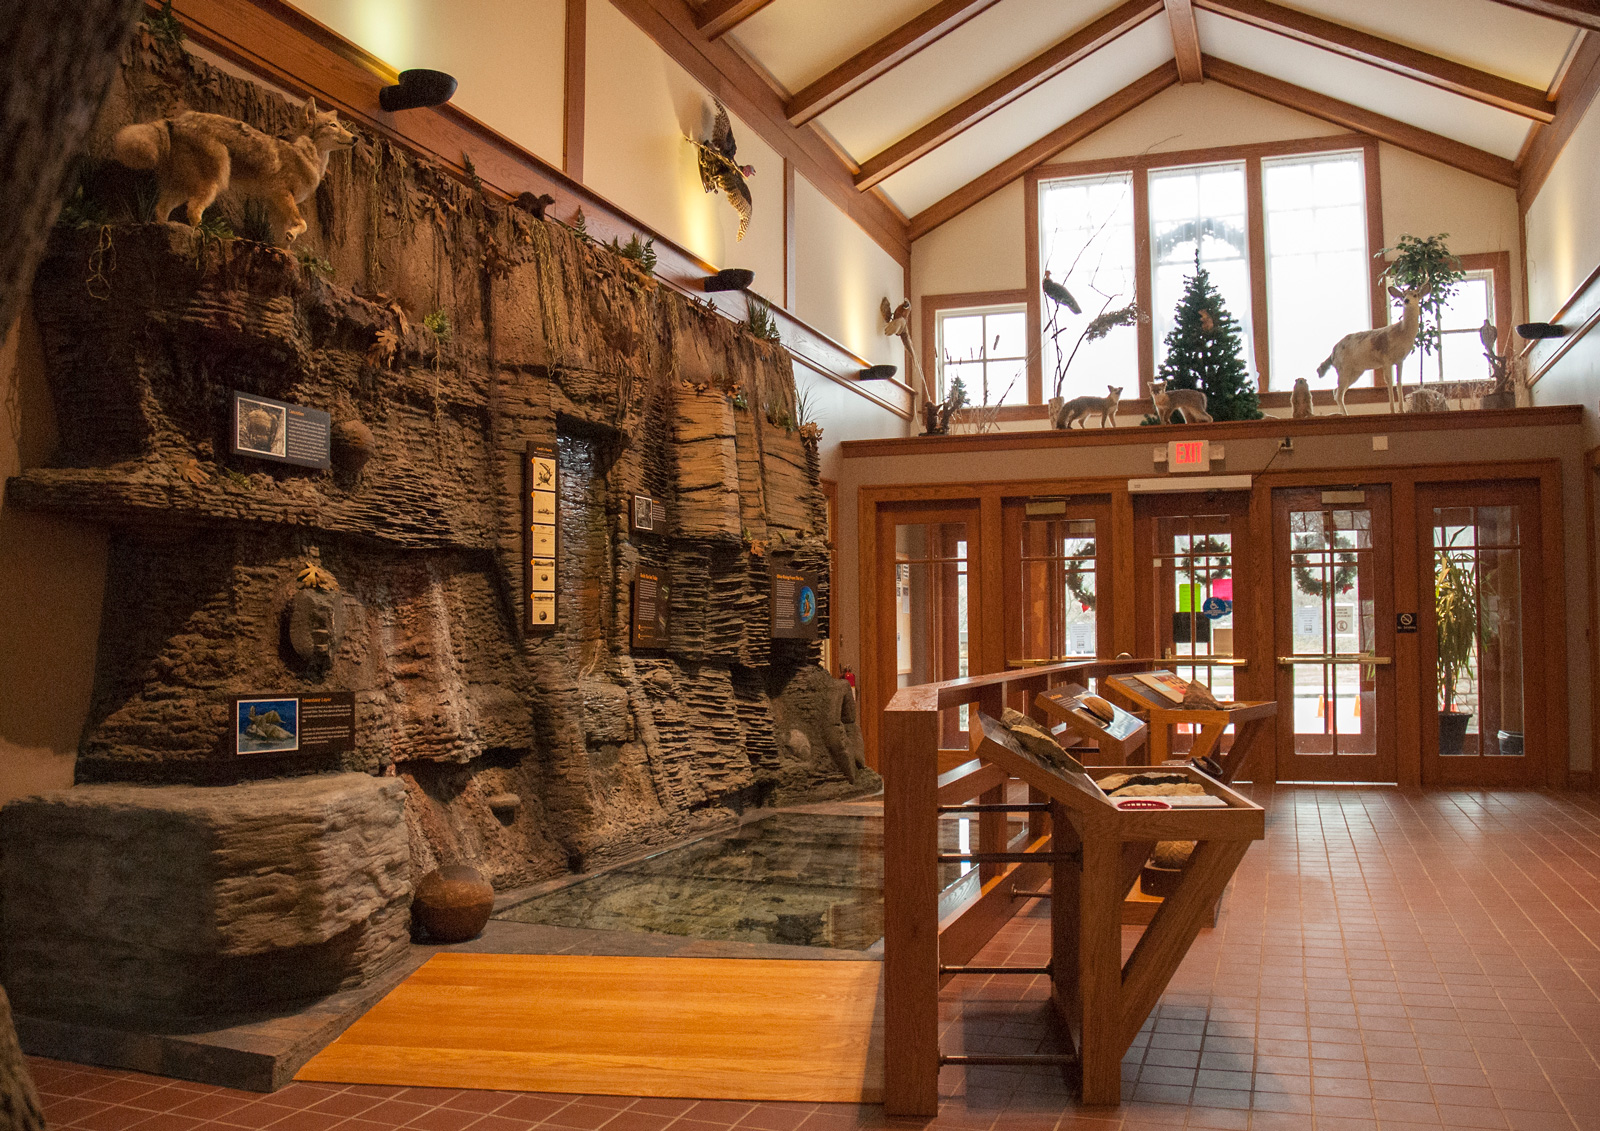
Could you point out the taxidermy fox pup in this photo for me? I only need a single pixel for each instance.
(196, 156)
(1081, 408)
(1191, 402)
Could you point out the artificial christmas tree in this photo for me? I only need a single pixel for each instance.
(1204, 351)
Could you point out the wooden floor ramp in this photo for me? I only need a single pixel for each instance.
(703, 1028)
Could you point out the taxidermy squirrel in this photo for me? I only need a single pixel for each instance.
(196, 156)
(1081, 408)
(1300, 399)
(1191, 402)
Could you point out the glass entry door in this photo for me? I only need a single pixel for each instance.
(1058, 579)
(1483, 701)
(1190, 555)
(927, 602)
(1334, 637)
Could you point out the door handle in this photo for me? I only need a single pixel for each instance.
(1336, 658)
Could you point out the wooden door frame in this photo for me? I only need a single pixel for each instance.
(1386, 694)
(1402, 480)
(1537, 660)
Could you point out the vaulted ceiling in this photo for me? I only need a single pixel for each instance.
(935, 103)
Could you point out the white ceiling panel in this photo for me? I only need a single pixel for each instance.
(1030, 117)
(799, 41)
(1368, 87)
(1480, 33)
(959, 65)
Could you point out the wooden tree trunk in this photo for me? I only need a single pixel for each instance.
(19, 1103)
(57, 61)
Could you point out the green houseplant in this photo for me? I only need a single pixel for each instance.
(1425, 264)
(1455, 598)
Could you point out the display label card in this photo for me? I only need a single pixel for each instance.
(648, 514)
(794, 604)
(541, 514)
(652, 602)
(267, 723)
(276, 430)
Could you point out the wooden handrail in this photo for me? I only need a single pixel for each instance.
(971, 689)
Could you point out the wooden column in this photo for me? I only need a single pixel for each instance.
(910, 913)
(1100, 966)
(575, 86)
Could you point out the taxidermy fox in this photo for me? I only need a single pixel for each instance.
(1081, 408)
(1191, 402)
(196, 156)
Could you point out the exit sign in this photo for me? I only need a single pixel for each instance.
(1188, 455)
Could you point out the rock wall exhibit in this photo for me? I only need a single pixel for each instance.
(443, 332)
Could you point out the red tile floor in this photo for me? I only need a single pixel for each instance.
(1384, 960)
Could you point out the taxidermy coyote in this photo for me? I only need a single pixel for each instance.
(196, 156)
(1191, 402)
(1081, 408)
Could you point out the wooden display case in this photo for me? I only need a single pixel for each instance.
(1252, 730)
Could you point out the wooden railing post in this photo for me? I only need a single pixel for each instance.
(910, 912)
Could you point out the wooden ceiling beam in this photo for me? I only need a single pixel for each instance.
(1469, 82)
(1005, 90)
(1443, 149)
(878, 59)
(1578, 13)
(1097, 117)
(1185, 40)
(715, 65)
(716, 18)
(1579, 88)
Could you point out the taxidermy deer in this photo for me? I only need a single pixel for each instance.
(1190, 402)
(1081, 408)
(196, 156)
(1356, 353)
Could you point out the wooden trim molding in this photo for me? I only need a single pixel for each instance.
(1457, 78)
(715, 65)
(1005, 90)
(1185, 40)
(878, 59)
(789, 259)
(1256, 225)
(1579, 314)
(1097, 117)
(1578, 13)
(1579, 85)
(1439, 148)
(575, 87)
(717, 18)
(290, 49)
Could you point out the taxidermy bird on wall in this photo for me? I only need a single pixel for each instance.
(719, 171)
(1489, 336)
(897, 324)
(1059, 294)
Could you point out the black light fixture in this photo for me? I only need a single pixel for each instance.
(879, 372)
(1533, 331)
(730, 279)
(416, 89)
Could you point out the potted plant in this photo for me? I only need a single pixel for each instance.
(1455, 597)
(1425, 264)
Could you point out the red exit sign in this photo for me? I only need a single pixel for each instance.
(1188, 455)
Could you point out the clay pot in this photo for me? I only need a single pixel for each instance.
(453, 903)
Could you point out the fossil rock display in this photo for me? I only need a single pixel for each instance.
(554, 341)
(453, 903)
(196, 902)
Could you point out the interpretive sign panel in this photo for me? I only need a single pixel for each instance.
(267, 723)
(276, 430)
(794, 604)
(541, 511)
(648, 515)
(652, 602)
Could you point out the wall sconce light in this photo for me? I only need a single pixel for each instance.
(730, 279)
(1533, 331)
(879, 372)
(416, 89)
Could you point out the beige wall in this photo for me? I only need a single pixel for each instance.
(54, 574)
(843, 415)
(841, 277)
(506, 56)
(639, 106)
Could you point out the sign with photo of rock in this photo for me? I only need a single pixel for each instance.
(264, 428)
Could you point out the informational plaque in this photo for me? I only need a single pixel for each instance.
(541, 510)
(267, 723)
(276, 430)
(647, 514)
(652, 593)
(794, 604)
